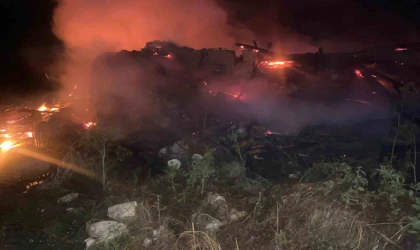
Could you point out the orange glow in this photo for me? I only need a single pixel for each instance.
(89, 124)
(275, 64)
(42, 107)
(29, 134)
(7, 145)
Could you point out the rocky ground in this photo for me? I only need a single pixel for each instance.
(200, 203)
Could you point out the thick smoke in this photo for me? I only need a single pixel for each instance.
(89, 28)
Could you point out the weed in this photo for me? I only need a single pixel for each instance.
(202, 171)
(392, 187)
(355, 184)
(415, 219)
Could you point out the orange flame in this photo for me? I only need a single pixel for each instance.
(89, 124)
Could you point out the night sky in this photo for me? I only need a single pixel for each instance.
(29, 48)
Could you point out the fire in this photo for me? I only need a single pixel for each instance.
(400, 49)
(42, 107)
(7, 145)
(29, 134)
(274, 64)
(89, 124)
(358, 73)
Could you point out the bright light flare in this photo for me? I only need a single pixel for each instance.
(7, 145)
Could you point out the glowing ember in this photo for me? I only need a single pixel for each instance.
(7, 145)
(42, 108)
(358, 73)
(269, 132)
(276, 63)
(400, 49)
(29, 134)
(89, 124)
(6, 136)
(155, 54)
(34, 183)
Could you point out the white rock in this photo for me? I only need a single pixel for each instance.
(197, 157)
(122, 212)
(157, 232)
(206, 223)
(213, 226)
(147, 242)
(89, 242)
(235, 215)
(177, 148)
(293, 176)
(163, 152)
(174, 164)
(161, 234)
(104, 231)
(68, 198)
(219, 204)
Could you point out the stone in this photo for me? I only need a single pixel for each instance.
(219, 204)
(68, 198)
(123, 212)
(197, 157)
(205, 222)
(105, 231)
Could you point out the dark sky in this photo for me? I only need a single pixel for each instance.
(31, 47)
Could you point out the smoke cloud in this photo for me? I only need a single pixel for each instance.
(89, 28)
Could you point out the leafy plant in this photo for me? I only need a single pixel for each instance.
(99, 152)
(320, 171)
(392, 186)
(202, 170)
(355, 184)
(415, 220)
